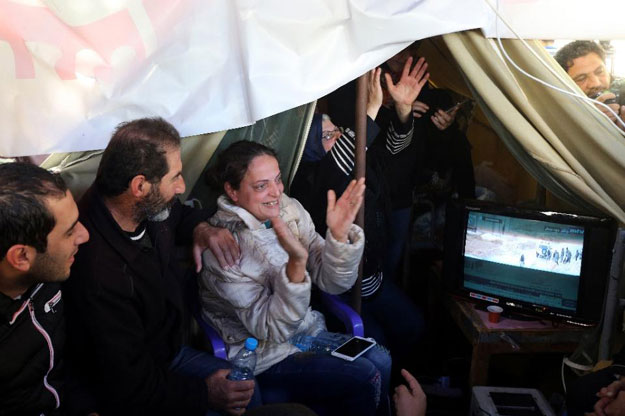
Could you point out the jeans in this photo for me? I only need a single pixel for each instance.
(331, 385)
(200, 364)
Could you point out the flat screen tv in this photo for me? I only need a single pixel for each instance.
(549, 264)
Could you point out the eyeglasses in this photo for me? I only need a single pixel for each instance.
(328, 134)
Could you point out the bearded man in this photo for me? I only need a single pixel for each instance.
(125, 305)
(584, 61)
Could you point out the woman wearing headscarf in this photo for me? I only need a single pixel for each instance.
(328, 161)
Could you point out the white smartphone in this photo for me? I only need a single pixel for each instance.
(354, 348)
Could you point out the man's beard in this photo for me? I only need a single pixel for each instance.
(153, 207)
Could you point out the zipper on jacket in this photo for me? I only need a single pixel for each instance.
(43, 332)
(49, 305)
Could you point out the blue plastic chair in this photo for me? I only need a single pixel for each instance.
(349, 317)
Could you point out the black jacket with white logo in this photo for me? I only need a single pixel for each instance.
(32, 333)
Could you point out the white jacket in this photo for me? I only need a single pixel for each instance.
(255, 298)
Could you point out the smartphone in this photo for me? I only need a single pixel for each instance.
(459, 104)
(353, 348)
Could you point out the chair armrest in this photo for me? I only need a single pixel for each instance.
(349, 317)
(219, 347)
(192, 298)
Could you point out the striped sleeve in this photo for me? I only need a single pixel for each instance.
(371, 284)
(343, 152)
(396, 142)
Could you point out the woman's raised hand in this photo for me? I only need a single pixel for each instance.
(374, 93)
(341, 214)
(298, 256)
(407, 89)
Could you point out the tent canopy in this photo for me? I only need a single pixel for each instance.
(71, 73)
(70, 78)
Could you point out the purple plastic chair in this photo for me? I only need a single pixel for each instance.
(192, 295)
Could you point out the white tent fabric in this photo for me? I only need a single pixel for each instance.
(557, 19)
(73, 70)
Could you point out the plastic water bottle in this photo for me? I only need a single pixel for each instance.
(244, 362)
(324, 342)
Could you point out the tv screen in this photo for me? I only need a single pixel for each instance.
(538, 262)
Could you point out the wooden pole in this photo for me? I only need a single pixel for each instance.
(359, 171)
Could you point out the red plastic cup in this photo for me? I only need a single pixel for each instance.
(494, 313)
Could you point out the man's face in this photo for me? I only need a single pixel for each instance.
(260, 189)
(157, 203)
(68, 233)
(589, 72)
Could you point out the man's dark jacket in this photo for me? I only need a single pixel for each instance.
(125, 313)
(32, 332)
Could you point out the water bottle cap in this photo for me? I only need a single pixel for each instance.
(251, 344)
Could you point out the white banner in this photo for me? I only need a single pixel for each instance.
(72, 70)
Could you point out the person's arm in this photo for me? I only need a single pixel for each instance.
(342, 155)
(111, 319)
(267, 313)
(219, 241)
(374, 93)
(407, 89)
(404, 94)
(193, 229)
(332, 264)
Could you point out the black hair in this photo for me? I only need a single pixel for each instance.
(24, 215)
(232, 163)
(137, 147)
(571, 51)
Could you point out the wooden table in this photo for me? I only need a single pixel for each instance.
(488, 338)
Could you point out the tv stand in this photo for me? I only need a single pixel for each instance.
(507, 336)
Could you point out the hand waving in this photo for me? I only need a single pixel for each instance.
(298, 256)
(340, 214)
(408, 87)
(374, 92)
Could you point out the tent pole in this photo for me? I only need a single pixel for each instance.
(359, 169)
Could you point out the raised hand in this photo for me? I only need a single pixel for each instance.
(407, 89)
(340, 214)
(298, 256)
(374, 92)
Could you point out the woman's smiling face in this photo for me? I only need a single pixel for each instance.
(260, 189)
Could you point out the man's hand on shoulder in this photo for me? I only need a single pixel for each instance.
(230, 396)
(219, 241)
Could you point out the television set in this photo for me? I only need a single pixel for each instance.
(549, 264)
